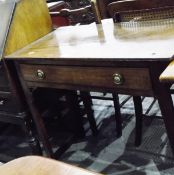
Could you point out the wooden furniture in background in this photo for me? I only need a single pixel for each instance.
(105, 11)
(71, 13)
(34, 165)
(120, 58)
(82, 18)
(58, 21)
(86, 18)
(161, 13)
(126, 5)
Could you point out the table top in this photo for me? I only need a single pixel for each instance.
(35, 165)
(131, 40)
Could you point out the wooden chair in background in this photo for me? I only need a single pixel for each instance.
(140, 11)
(69, 13)
(57, 21)
(106, 12)
(125, 5)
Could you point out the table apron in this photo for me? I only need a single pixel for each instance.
(133, 80)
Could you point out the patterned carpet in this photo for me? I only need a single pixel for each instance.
(106, 153)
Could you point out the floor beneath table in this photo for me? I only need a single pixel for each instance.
(106, 153)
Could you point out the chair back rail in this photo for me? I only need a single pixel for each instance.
(68, 13)
(152, 14)
(127, 5)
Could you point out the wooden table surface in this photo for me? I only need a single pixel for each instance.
(35, 165)
(143, 41)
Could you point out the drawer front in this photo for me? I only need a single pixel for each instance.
(124, 78)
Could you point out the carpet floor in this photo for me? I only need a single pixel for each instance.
(105, 153)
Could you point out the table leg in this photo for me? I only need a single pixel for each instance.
(37, 118)
(87, 101)
(139, 117)
(167, 110)
(163, 95)
(73, 105)
(118, 118)
(38, 121)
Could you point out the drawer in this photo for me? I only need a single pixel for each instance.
(99, 77)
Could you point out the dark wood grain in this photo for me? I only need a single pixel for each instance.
(100, 76)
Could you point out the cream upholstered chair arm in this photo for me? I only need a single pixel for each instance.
(168, 74)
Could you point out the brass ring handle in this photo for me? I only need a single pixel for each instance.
(40, 74)
(118, 79)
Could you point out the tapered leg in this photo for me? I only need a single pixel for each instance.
(117, 114)
(162, 93)
(42, 133)
(87, 101)
(25, 98)
(139, 119)
(167, 110)
(72, 101)
(24, 101)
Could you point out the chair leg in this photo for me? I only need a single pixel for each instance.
(139, 117)
(87, 101)
(117, 114)
(32, 140)
(72, 101)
